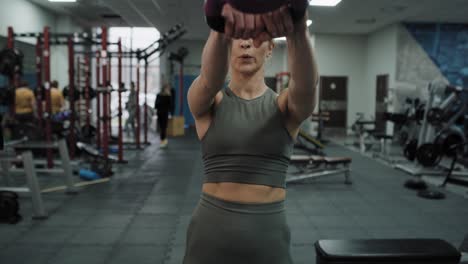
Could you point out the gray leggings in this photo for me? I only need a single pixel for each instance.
(229, 232)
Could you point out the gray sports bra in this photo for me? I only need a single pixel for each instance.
(247, 141)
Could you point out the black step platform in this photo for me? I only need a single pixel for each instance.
(388, 251)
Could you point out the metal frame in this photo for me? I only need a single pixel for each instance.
(31, 172)
(320, 171)
(418, 170)
(385, 156)
(45, 39)
(32, 183)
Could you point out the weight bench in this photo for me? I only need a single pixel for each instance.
(383, 139)
(99, 163)
(32, 188)
(312, 166)
(94, 152)
(386, 251)
(8, 156)
(308, 143)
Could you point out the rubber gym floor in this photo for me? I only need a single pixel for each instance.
(142, 214)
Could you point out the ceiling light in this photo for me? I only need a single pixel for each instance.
(309, 22)
(280, 39)
(324, 2)
(63, 1)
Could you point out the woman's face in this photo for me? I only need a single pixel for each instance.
(247, 59)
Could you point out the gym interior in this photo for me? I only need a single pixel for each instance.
(378, 172)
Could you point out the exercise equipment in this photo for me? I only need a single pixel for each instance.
(308, 143)
(9, 207)
(91, 93)
(19, 130)
(410, 149)
(179, 57)
(428, 155)
(453, 135)
(363, 129)
(438, 132)
(313, 167)
(11, 62)
(386, 251)
(444, 107)
(32, 188)
(88, 175)
(99, 163)
(435, 116)
(315, 164)
(453, 148)
(213, 9)
(24, 147)
(320, 118)
(7, 95)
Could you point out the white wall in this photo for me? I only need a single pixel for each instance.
(380, 60)
(344, 55)
(193, 61)
(359, 57)
(414, 68)
(25, 16)
(59, 54)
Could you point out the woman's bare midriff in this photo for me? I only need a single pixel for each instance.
(244, 193)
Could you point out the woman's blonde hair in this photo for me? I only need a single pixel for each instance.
(166, 89)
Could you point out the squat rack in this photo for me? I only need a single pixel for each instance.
(43, 75)
(145, 54)
(44, 40)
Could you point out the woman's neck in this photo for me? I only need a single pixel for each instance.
(248, 86)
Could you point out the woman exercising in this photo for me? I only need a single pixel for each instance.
(247, 132)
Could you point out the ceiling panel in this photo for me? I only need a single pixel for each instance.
(350, 16)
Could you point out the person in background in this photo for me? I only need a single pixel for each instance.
(25, 103)
(164, 106)
(131, 108)
(57, 100)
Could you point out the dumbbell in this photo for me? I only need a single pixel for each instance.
(213, 9)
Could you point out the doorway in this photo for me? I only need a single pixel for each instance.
(334, 100)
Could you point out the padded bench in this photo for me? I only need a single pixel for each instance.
(386, 251)
(322, 166)
(337, 160)
(320, 159)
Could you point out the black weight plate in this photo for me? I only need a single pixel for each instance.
(428, 155)
(410, 150)
(435, 116)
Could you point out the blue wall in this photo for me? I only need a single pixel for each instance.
(447, 46)
(187, 81)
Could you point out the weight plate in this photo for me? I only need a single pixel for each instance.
(410, 150)
(435, 116)
(428, 155)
